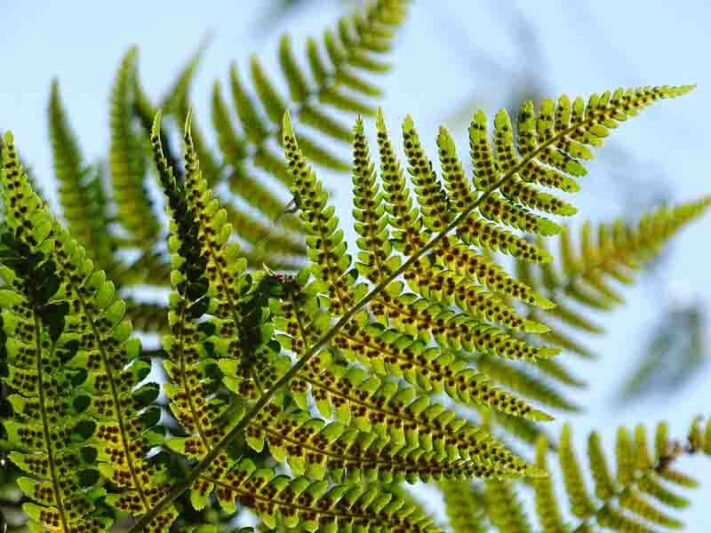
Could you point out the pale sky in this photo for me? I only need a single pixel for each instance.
(443, 60)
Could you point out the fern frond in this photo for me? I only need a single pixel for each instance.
(191, 280)
(37, 350)
(282, 501)
(331, 84)
(234, 150)
(247, 148)
(605, 257)
(103, 363)
(365, 402)
(312, 447)
(209, 319)
(81, 188)
(636, 496)
(127, 162)
(410, 235)
(617, 250)
(324, 314)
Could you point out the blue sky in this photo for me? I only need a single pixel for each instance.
(443, 64)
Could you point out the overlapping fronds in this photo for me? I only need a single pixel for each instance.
(114, 212)
(455, 298)
(336, 82)
(588, 270)
(641, 493)
(301, 396)
(321, 310)
(74, 372)
(214, 302)
(637, 495)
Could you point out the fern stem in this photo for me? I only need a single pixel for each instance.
(228, 437)
(45, 425)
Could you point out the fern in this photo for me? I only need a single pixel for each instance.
(319, 317)
(72, 319)
(333, 290)
(635, 496)
(311, 397)
(586, 276)
(332, 83)
(81, 189)
(608, 252)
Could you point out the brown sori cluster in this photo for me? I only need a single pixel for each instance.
(430, 195)
(459, 189)
(327, 245)
(398, 413)
(371, 223)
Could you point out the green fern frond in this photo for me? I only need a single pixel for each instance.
(193, 244)
(247, 149)
(370, 344)
(606, 255)
(635, 496)
(41, 356)
(410, 223)
(88, 337)
(127, 163)
(81, 188)
(315, 506)
(333, 84)
(234, 150)
(312, 447)
(323, 316)
(385, 408)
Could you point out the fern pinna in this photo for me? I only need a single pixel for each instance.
(347, 373)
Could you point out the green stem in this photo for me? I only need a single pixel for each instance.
(45, 426)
